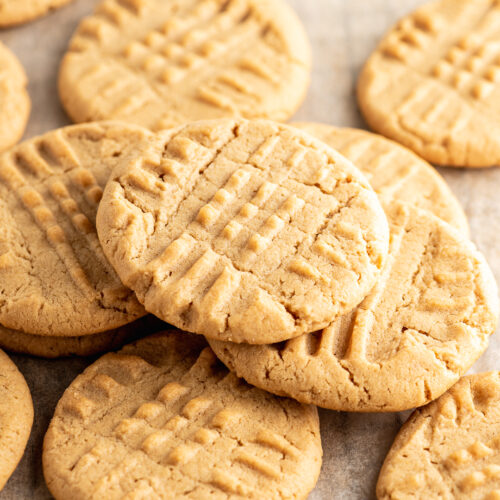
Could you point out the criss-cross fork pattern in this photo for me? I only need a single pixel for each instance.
(200, 48)
(191, 416)
(27, 169)
(208, 268)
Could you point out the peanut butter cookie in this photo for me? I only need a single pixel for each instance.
(433, 83)
(161, 63)
(424, 324)
(450, 449)
(249, 231)
(44, 346)
(163, 418)
(16, 417)
(15, 104)
(55, 278)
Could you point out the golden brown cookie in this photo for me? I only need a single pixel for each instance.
(394, 172)
(164, 419)
(450, 449)
(16, 417)
(432, 84)
(161, 63)
(55, 278)
(424, 324)
(44, 346)
(21, 11)
(243, 231)
(15, 104)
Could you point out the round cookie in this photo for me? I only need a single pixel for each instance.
(432, 84)
(249, 231)
(450, 448)
(20, 11)
(44, 346)
(164, 415)
(428, 318)
(55, 278)
(162, 63)
(393, 171)
(16, 417)
(15, 104)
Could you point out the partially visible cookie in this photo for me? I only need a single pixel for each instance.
(449, 449)
(249, 231)
(15, 104)
(163, 418)
(424, 324)
(55, 278)
(393, 171)
(161, 63)
(21, 11)
(433, 83)
(44, 346)
(16, 417)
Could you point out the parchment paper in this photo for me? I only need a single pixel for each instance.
(343, 33)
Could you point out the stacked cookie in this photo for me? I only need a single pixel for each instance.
(58, 288)
(302, 265)
(274, 247)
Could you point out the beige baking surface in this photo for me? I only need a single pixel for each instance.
(343, 33)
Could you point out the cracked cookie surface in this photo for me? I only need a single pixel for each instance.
(245, 231)
(15, 104)
(55, 277)
(45, 346)
(161, 63)
(449, 449)
(16, 417)
(394, 172)
(163, 418)
(21, 11)
(433, 83)
(426, 321)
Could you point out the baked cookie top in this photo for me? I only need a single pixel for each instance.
(426, 321)
(432, 84)
(15, 104)
(394, 172)
(161, 63)
(245, 231)
(21, 11)
(163, 418)
(449, 449)
(16, 417)
(55, 277)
